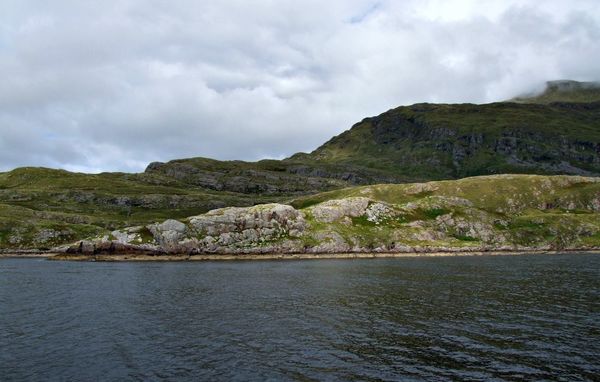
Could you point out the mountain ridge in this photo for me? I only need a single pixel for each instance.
(527, 122)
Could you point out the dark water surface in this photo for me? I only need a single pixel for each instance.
(533, 317)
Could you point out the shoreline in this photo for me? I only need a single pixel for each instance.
(53, 256)
(27, 255)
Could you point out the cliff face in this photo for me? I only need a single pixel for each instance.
(452, 141)
(508, 212)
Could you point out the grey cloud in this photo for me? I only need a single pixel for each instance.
(93, 86)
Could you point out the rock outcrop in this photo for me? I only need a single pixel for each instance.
(476, 214)
(257, 229)
(555, 132)
(333, 210)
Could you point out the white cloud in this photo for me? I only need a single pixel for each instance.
(114, 85)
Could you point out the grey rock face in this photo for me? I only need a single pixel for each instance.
(333, 210)
(262, 228)
(172, 225)
(330, 242)
(45, 236)
(379, 212)
(247, 227)
(168, 234)
(478, 227)
(423, 223)
(130, 235)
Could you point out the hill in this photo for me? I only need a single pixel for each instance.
(432, 142)
(41, 208)
(492, 213)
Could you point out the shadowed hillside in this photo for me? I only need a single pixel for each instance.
(437, 141)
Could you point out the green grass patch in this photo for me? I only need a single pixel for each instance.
(465, 238)
(363, 221)
(434, 213)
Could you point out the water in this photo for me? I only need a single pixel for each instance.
(534, 317)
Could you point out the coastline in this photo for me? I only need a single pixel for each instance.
(282, 256)
(32, 255)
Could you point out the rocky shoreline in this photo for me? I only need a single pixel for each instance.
(504, 213)
(136, 257)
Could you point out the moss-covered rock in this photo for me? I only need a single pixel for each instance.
(470, 214)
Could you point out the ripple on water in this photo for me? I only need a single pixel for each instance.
(477, 318)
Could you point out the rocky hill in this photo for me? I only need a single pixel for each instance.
(431, 141)
(41, 208)
(502, 212)
(555, 132)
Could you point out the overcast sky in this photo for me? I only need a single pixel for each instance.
(113, 85)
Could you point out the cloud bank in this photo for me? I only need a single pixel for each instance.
(111, 86)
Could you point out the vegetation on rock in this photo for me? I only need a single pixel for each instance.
(556, 132)
(502, 212)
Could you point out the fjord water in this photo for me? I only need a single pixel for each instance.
(525, 317)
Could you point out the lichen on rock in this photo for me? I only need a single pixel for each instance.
(452, 216)
(333, 210)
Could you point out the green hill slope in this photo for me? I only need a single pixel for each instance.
(433, 141)
(491, 213)
(41, 208)
(541, 135)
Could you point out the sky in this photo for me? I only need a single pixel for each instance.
(113, 85)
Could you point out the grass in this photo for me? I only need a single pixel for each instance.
(513, 207)
(465, 238)
(418, 142)
(434, 213)
(502, 193)
(434, 143)
(362, 221)
(31, 199)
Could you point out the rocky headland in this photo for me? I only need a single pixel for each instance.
(503, 213)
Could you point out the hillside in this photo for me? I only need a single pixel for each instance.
(41, 208)
(502, 212)
(432, 141)
(556, 132)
